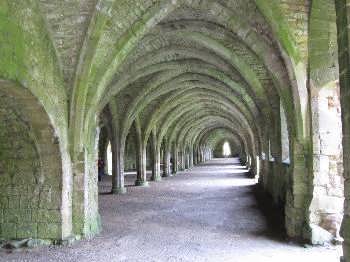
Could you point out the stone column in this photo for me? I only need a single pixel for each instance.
(191, 158)
(195, 157)
(117, 147)
(187, 160)
(182, 160)
(205, 155)
(175, 160)
(343, 14)
(117, 166)
(141, 166)
(141, 159)
(155, 159)
(86, 220)
(297, 194)
(166, 162)
(201, 155)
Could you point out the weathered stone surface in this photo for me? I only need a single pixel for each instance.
(320, 236)
(166, 83)
(49, 230)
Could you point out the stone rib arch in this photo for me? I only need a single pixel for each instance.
(237, 61)
(189, 97)
(37, 203)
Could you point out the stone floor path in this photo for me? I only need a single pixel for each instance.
(209, 213)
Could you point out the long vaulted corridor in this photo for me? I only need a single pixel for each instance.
(208, 213)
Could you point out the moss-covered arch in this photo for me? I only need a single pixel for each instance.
(36, 192)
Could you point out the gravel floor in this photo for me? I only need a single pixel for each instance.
(209, 213)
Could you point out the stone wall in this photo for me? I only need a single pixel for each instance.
(30, 187)
(275, 176)
(343, 32)
(130, 154)
(326, 209)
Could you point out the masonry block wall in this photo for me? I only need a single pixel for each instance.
(266, 72)
(30, 179)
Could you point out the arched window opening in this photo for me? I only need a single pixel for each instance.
(226, 149)
(257, 167)
(284, 136)
(271, 158)
(109, 159)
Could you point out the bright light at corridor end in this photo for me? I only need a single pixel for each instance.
(226, 149)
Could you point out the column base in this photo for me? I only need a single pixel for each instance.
(141, 183)
(156, 179)
(118, 191)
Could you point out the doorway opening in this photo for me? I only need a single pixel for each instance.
(226, 149)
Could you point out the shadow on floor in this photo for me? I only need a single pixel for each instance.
(274, 215)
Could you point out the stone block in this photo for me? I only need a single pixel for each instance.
(299, 188)
(4, 202)
(17, 215)
(336, 192)
(320, 190)
(299, 201)
(320, 236)
(9, 230)
(327, 204)
(47, 216)
(29, 202)
(27, 230)
(10, 215)
(14, 202)
(50, 199)
(324, 164)
(321, 178)
(49, 231)
(33, 243)
(15, 191)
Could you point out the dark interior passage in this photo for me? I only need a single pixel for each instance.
(207, 213)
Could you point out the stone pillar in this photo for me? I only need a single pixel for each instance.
(141, 166)
(182, 160)
(117, 166)
(156, 165)
(200, 154)
(195, 157)
(166, 162)
(191, 159)
(86, 220)
(141, 159)
(175, 160)
(297, 194)
(117, 147)
(326, 208)
(155, 159)
(187, 160)
(343, 14)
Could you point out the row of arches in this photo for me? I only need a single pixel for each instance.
(173, 80)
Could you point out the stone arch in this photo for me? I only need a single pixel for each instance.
(34, 198)
(106, 56)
